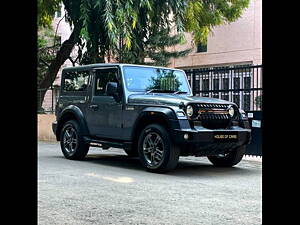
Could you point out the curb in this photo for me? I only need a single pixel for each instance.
(252, 158)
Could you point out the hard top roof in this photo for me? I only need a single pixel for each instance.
(90, 66)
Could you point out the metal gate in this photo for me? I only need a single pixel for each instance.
(239, 84)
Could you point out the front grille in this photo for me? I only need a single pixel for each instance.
(211, 116)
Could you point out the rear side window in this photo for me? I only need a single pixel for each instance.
(103, 76)
(76, 81)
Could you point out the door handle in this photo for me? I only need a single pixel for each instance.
(94, 107)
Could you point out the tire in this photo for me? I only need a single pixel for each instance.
(71, 141)
(156, 149)
(229, 160)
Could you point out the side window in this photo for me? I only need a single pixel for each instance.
(76, 81)
(103, 76)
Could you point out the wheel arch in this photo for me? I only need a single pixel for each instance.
(150, 115)
(71, 112)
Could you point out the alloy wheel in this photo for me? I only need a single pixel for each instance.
(153, 149)
(70, 139)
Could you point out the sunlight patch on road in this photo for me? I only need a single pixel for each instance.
(114, 179)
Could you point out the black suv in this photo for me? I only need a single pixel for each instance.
(148, 111)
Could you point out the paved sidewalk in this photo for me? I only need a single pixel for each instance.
(253, 158)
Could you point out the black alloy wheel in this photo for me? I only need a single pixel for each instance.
(153, 149)
(72, 143)
(156, 149)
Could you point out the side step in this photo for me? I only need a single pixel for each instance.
(106, 144)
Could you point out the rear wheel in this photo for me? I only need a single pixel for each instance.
(230, 159)
(71, 141)
(156, 149)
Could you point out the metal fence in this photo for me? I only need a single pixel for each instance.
(239, 84)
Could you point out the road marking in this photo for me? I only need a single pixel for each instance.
(115, 179)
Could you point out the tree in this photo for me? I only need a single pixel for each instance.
(201, 16)
(155, 49)
(73, 16)
(133, 28)
(46, 11)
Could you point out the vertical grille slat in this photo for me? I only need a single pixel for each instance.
(212, 120)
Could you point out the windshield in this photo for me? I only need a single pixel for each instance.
(155, 79)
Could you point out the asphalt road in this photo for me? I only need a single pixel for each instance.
(110, 188)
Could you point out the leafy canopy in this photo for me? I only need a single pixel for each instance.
(136, 29)
(46, 11)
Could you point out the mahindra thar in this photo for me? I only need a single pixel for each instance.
(150, 112)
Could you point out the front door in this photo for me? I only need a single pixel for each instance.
(104, 113)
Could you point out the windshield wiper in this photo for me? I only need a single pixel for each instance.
(151, 90)
(180, 92)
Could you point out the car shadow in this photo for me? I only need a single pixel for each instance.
(184, 168)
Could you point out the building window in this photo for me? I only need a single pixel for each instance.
(202, 47)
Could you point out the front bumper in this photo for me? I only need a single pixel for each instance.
(202, 141)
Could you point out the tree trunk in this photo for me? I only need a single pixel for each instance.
(61, 56)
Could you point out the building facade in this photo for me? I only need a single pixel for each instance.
(237, 43)
(228, 46)
(228, 66)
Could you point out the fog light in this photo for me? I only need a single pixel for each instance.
(186, 136)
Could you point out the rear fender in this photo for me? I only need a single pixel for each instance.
(71, 112)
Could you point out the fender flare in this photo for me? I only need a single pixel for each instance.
(163, 112)
(77, 113)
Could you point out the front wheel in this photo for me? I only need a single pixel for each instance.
(156, 149)
(230, 159)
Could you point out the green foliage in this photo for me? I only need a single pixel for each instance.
(46, 11)
(157, 49)
(202, 16)
(134, 30)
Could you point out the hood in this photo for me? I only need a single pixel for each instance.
(171, 99)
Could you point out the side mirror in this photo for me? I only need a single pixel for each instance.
(111, 88)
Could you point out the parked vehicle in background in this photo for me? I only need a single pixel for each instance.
(148, 111)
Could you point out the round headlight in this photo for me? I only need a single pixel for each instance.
(231, 111)
(189, 110)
